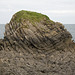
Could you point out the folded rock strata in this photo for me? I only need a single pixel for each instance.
(35, 45)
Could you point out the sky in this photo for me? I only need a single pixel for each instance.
(57, 10)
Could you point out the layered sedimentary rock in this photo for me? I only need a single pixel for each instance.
(35, 45)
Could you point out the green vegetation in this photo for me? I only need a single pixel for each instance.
(28, 15)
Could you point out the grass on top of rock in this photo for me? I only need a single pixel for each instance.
(28, 15)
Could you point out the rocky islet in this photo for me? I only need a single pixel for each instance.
(35, 45)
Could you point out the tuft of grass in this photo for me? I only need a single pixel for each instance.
(28, 15)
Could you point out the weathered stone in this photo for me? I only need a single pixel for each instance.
(35, 45)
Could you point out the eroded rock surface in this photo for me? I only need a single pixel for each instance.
(35, 45)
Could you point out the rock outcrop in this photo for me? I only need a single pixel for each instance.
(35, 45)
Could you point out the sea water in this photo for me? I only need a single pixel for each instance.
(2, 30)
(69, 27)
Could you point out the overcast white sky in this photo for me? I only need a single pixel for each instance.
(58, 10)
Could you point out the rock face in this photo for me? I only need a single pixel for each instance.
(35, 45)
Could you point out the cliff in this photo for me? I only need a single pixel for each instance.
(35, 45)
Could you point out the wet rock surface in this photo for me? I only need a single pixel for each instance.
(36, 47)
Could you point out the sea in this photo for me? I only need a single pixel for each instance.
(69, 27)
